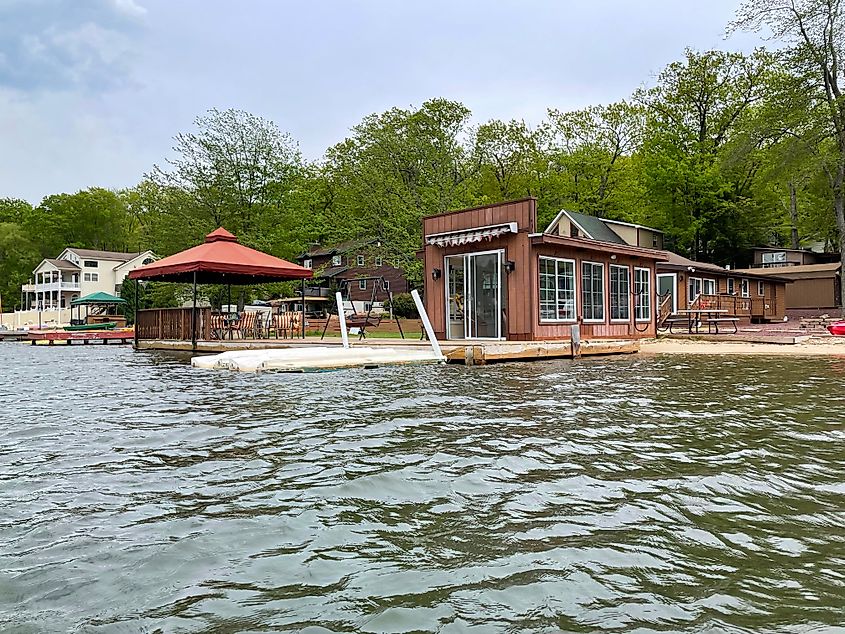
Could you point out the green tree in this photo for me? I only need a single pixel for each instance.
(694, 113)
(814, 34)
(238, 171)
(18, 257)
(395, 168)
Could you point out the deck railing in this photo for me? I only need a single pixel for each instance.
(172, 324)
(734, 305)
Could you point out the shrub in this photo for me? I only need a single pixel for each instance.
(403, 306)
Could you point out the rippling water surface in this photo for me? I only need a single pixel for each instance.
(622, 494)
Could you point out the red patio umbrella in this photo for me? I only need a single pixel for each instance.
(221, 259)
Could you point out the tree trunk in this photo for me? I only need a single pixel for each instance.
(839, 209)
(793, 214)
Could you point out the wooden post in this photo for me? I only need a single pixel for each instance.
(303, 309)
(194, 317)
(575, 341)
(135, 344)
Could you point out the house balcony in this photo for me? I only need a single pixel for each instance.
(27, 288)
(52, 286)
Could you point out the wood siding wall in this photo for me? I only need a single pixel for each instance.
(172, 324)
(517, 321)
(817, 292)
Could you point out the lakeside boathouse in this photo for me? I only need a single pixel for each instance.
(491, 274)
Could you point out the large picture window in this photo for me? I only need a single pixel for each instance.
(642, 292)
(620, 292)
(592, 291)
(557, 289)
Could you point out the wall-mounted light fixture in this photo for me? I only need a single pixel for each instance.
(436, 274)
(510, 265)
(613, 256)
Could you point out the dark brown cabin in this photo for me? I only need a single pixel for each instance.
(490, 274)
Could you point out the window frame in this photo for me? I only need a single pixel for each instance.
(362, 285)
(594, 320)
(91, 277)
(559, 320)
(377, 261)
(706, 281)
(385, 285)
(627, 269)
(90, 264)
(745, 287)
(730, 286)
(307, 263)
(761, 288)
(337, 260)
(359, 260)
(647, 294)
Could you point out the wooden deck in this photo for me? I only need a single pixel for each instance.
(469, 352)
(61, 337)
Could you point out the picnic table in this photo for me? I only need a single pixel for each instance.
(693, 318)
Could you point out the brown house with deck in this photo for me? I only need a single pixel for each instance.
(361, 267)
(491, 274)
(684, 284)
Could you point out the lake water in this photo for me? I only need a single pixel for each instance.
(690, 494)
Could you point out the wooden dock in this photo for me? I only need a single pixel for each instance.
(468, 352)
(62, 337)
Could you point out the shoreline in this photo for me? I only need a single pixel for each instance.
(812, 347)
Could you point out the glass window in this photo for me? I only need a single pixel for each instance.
(386, 285)
(731, 286)
(708, 287)
(592, 291)
(91, 277)
(335, 260)
(362, 285)
(620, 289)
(557, 289)
(360, 260)
(744, 287)
(694, 289)
(642, 293)
(761, 288)
(307, 263)
(378, 260)
(91, 264)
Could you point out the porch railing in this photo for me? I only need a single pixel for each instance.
(734, 305)
(172, 324)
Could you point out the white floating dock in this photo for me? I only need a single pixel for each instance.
(315, 358)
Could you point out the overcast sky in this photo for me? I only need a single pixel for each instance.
(92, 91)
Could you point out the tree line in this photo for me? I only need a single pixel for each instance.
(723, 152)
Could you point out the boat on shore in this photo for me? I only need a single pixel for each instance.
(108, 325)
(837, 328)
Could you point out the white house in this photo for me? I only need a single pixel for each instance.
(76, 273)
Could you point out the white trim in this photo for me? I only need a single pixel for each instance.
(674, 277)
(604, 298)
(574, 290)
(651, 295)
(500, 253)
(610, 294)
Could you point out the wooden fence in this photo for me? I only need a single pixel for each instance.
(172, 324)
(751, 307)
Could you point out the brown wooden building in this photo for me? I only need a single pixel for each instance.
(751, 294)
(490, 274)
(813, 286)
(361, 264)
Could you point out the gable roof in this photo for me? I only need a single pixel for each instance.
(63, 265)
(340, 247)
(676, 262)
(117, 256)
(594, 227)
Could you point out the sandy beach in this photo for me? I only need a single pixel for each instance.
(812, 346)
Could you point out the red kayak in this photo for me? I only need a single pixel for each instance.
(837, 328)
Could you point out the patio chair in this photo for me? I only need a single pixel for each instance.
(284, 323)
(246, 326)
